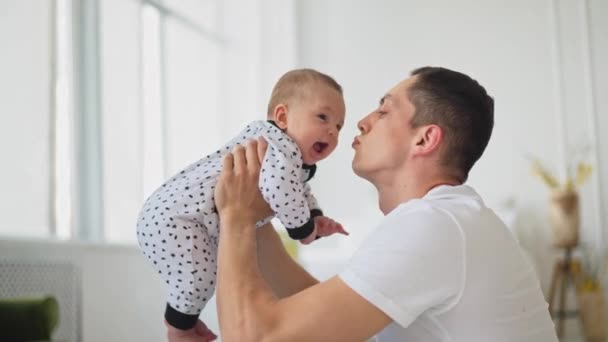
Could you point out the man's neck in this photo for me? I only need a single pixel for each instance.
(397, 190)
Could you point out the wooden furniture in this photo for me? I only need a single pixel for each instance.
(564, 278)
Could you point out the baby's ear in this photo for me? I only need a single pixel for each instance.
(280, 115)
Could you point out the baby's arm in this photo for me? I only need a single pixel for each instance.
(324, 226)
(313, 204)
(282, 188)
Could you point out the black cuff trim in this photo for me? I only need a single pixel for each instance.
(179, 320)
(316, 212)
(312, 169)
(272, 122)
(302, 232)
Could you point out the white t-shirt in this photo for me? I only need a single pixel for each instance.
(445, 268)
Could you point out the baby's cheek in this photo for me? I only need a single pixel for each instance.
(333, 146)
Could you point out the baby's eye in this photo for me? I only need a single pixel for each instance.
(322, 117)
(382, 112)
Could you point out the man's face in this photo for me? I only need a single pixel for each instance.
(386, 134)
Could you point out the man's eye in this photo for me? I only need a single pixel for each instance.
(322, 117)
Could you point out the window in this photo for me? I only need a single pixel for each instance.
(63, 125)
(160, 72)
(112, 97)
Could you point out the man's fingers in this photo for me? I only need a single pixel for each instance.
(238, 153)
(228, 163)
(251, 154)
(262, 147)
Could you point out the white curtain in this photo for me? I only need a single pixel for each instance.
(25, 102)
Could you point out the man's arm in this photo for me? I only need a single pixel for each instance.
(249, 311)
(247, 308)
(284, 275)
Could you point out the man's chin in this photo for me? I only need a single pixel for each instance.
(357, 169)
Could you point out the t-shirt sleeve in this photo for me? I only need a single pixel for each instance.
(413, 263)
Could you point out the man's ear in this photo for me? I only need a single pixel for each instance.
(428, 139)
(280, 115)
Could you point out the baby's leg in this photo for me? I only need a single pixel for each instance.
(184, 255)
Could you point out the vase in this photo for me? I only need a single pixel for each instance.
(592, 308)
(565, 218)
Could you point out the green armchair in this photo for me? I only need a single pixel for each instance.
(28, 318)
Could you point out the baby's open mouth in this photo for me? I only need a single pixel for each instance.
(319, 147)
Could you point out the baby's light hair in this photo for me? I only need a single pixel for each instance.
(294, 83)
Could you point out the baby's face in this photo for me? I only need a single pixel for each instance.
(314, 122)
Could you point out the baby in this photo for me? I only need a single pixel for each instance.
(177, 228)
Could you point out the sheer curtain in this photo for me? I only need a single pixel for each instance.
(103, 100)
(26, 28)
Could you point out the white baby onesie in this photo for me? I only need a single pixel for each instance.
(177, 228)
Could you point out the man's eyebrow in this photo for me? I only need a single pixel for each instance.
(385, 97)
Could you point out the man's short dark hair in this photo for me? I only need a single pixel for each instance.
(461, 107)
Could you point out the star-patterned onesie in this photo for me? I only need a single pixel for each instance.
(177, 228)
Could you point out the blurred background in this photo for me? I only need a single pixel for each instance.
(101, 100)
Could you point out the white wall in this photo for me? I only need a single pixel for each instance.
(510, 48)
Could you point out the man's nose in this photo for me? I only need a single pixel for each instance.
(363, 125)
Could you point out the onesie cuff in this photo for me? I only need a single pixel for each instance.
(178, 319)
(316, 212)
(301, 232)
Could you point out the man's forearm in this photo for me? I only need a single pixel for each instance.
(244, 299)
(283, 274)
(249, 311)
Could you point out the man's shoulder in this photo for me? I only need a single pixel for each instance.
(444, 205)
(417, 224)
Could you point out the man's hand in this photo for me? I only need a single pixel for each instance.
(199, 333)
(324, 226)
(237, 189)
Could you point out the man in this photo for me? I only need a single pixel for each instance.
(440, 267)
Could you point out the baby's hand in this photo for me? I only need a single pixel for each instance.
(324, 226)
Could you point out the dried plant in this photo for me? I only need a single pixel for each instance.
(594, 266)
(593, 270)
(578, 172)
